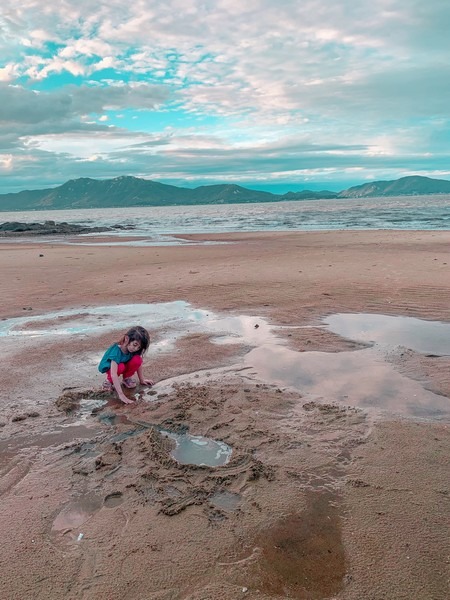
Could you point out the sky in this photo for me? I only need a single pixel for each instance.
(277, 95)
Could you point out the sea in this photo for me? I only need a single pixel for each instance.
(162, 224)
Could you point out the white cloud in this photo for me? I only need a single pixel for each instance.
(6, 162)
(8, 72)
(371, 75)
(87, 47)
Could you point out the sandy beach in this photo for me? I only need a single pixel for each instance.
(319, 499)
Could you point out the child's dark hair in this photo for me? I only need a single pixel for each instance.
(138, 334)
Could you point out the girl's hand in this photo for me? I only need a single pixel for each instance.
(147, 382)
(126, 400)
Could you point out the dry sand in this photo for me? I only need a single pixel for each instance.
(319, 500)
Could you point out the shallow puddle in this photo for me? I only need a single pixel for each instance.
(177, 318)
(90, 406)
(112, 419)
(198, 450)
(93, 239)
(358, 378)
(77, 512)
(362, 378)
(425, 337)
(225, 500)
(189, 449)
(9, 448)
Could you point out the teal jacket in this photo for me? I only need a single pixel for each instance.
(113, 353)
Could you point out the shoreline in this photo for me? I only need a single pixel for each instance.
(298, 462)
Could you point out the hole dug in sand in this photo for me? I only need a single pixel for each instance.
(76, 513)
(172, 470)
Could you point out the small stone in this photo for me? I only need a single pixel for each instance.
(17, 418)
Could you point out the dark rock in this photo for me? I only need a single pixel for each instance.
(17, 418)
(14, 228)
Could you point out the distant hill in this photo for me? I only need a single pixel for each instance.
(309, 195)
(406, 186)
(133, 191)
(127, 191)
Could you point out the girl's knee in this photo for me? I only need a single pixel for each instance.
(135, 362)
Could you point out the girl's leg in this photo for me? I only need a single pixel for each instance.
(127, 369)
(132, 366)
(120, 370)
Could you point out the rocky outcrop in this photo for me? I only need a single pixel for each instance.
(16, 228)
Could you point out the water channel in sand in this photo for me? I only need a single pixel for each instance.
(362, 378)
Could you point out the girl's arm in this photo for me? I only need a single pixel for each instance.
(142, 379)
(116, 383)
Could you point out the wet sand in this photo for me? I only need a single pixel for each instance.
(318, 500)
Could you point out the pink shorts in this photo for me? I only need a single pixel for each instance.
(127, 369)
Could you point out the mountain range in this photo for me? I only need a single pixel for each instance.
(133, 191)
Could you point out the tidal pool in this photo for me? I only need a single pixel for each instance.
(359, 378)
(425, 337)
(177, 318)
(362, 378)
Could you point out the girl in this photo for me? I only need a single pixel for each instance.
(125, 358)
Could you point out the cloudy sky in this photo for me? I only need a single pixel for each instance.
(271, 94)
